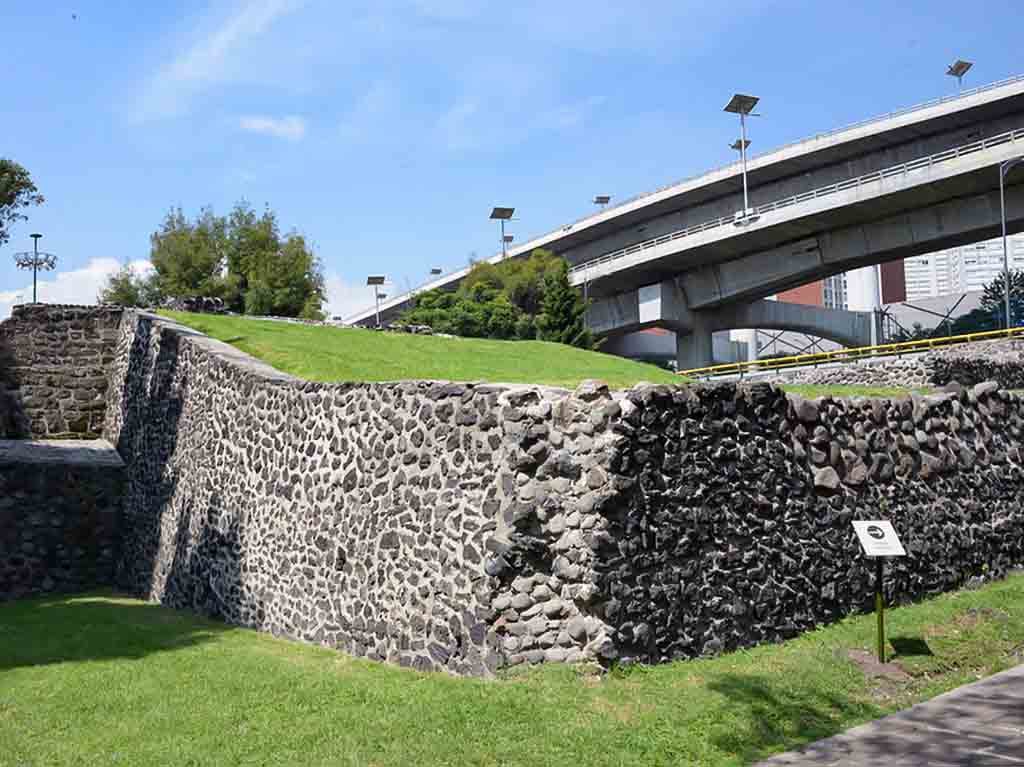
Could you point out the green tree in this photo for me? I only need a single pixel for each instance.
(503, 318)
(287, 282)
(562, 317)
(17, 192)
(993, 299)
(241, 258)
(517, 298)
(189, 256)
(127, 288)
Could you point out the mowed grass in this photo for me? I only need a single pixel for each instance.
(102, 680)
(812, 391)
(351, 354)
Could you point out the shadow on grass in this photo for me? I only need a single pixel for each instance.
(907, 647)
(782, 719)
(38, 632)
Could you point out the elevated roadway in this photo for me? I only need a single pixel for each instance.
(903, 184)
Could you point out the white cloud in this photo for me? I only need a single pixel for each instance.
(374, 116)
(290, 128)
(215, 57)
(345, 298)
(78, 286)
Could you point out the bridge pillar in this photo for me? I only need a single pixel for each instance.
(695, 349)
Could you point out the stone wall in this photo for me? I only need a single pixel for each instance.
(728, 519)
(1001, 361)
(469, 527)
(967, 364)
(355, 516)
(53, 370)
(59, 516)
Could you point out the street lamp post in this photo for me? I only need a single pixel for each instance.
(35, 261)
(958, 69)
(503, 215)
(376, 280)
(1005, 167)
(743, 105)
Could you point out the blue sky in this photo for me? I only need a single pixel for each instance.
(385, 131)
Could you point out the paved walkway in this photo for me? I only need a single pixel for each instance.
(977, 725)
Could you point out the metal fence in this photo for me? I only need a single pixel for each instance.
(848, 355)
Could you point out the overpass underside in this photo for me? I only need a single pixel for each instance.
(716, 280)
(664, 305)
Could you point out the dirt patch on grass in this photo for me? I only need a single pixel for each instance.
(889, 682)
(868, 663)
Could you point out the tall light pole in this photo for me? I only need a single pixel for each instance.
(376, 280)
(958, 69)
(502, 215)
(743, 105)
(35, 261)
(1005, 167)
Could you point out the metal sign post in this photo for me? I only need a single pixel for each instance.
(880, 607)
(879, 540)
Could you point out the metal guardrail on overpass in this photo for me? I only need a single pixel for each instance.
(852, 354)
(816, 137)
(896, 170)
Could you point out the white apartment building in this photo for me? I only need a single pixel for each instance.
(834, 294)
(962, 269)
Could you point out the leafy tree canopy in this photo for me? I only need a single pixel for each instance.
(517, 298)
(128, 288)
(993, 300)
(241, 258)
(17, 192)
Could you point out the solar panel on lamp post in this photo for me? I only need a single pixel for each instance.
(1005, 167)
(376, 280)
(958, 69)
(743, 105)
(35, 261)
(502, 214)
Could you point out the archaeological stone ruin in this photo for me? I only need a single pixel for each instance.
(470, 527)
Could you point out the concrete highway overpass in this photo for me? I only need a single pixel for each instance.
(900, 185)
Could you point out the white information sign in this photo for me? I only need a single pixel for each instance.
(879, 539)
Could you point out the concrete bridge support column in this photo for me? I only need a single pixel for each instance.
(695, 349)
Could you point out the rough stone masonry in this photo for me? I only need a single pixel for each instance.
(54, 362)
(60, 507)
(471, 527)
(968, 364)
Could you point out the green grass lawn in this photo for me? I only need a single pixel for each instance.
(100, 680)
(351, 354)
(810, 391)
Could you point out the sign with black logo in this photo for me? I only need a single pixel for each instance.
(879, 539)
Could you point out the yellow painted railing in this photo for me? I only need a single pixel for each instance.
(848, 355)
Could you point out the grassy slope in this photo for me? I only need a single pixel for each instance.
(345, 354)
(101, 680)
(342, 354)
